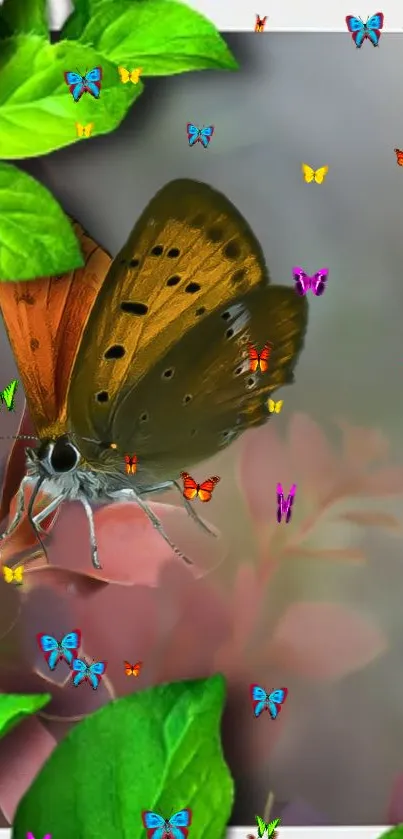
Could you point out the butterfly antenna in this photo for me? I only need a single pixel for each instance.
(20, 437)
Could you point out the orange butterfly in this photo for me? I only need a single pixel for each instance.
(193, 490)
(260, 23)
(260, 360)
(132, 669)
(399, 157)
(131, 464)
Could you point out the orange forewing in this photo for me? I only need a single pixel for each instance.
(132, 669)
(45, 332)
(192, 490)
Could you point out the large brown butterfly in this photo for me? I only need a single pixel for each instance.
(148, 353)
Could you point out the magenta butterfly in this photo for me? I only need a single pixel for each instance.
(303, 282)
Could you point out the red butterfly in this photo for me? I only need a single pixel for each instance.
(131, 464)
(260, 23)
(132, 669)
(399, 157)
(193, 490)
(260, 360)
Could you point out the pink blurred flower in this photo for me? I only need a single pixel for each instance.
(348, 487)
(62, 590)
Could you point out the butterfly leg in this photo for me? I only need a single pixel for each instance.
(93, 540)
(43, 514)
(125, 494)
(30, 518)
(189, 507)
(20, 506)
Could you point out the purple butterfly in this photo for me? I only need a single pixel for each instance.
(303, 282)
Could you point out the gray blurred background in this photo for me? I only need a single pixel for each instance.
(311, 98)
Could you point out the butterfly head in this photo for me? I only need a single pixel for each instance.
(54, 457)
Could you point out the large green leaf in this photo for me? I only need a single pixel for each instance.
(158, 750)
(80, 16)
(19, 17)
(36, 238)
(14, 707)
(37, 112)
(163, 37)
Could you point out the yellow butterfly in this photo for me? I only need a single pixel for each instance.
(311, 175)
(13, 575)
(275, 407)
(84, 130)
(130, 76)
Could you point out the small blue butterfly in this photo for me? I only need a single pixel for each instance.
(270, 702)
(90, 83)
(54, 650)
(174, 828)
(91, 673)
(371, 29)
(199, 135)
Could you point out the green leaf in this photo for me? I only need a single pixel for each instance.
(80, 16)
(36, 238)
(163, 37)
(14, 707)
(159, 750)
(394, 833)
(19, 17)
(37, 112)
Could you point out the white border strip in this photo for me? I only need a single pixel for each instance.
(287, 832)
(282, 15)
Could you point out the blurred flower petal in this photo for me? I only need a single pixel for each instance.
(395, 806)
(68, 582)
(9, 606)
(362, 446)
(22, 754)
(324, 640)
(16, 463)
(312, 457)
(245, 605)
(130, 549)
(263, 459)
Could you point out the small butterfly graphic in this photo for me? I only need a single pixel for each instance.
(174, 828)
(271, 702)
(13, 575)
(399, 157)
(275, 407)
(316, 175)
(132, 669)
(131, 464)
(199, 135)
(84, 130)
(89, 83)
(192, 490)
(54, 650)
(259, 360)
(85, 672)
(132, 76)
(46, 836)
(260, 23)
(371, 29)
(303, 282)
(268, 828)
